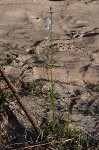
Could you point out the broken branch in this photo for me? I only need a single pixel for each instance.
(20, 101)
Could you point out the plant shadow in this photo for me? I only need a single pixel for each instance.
(17, 136)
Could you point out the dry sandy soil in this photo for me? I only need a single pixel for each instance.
(25, 53)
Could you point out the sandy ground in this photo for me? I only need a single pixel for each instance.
(25, 53)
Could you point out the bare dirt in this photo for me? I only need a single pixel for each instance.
(25, 53)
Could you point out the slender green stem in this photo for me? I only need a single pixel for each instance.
(51, 77)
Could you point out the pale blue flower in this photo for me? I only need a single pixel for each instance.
(48, 20)
(47, 28)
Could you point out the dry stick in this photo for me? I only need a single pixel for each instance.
(22, 104)
(39, 144)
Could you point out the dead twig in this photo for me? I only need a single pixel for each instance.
(47, 143)
(40, 144)
(21, 102)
